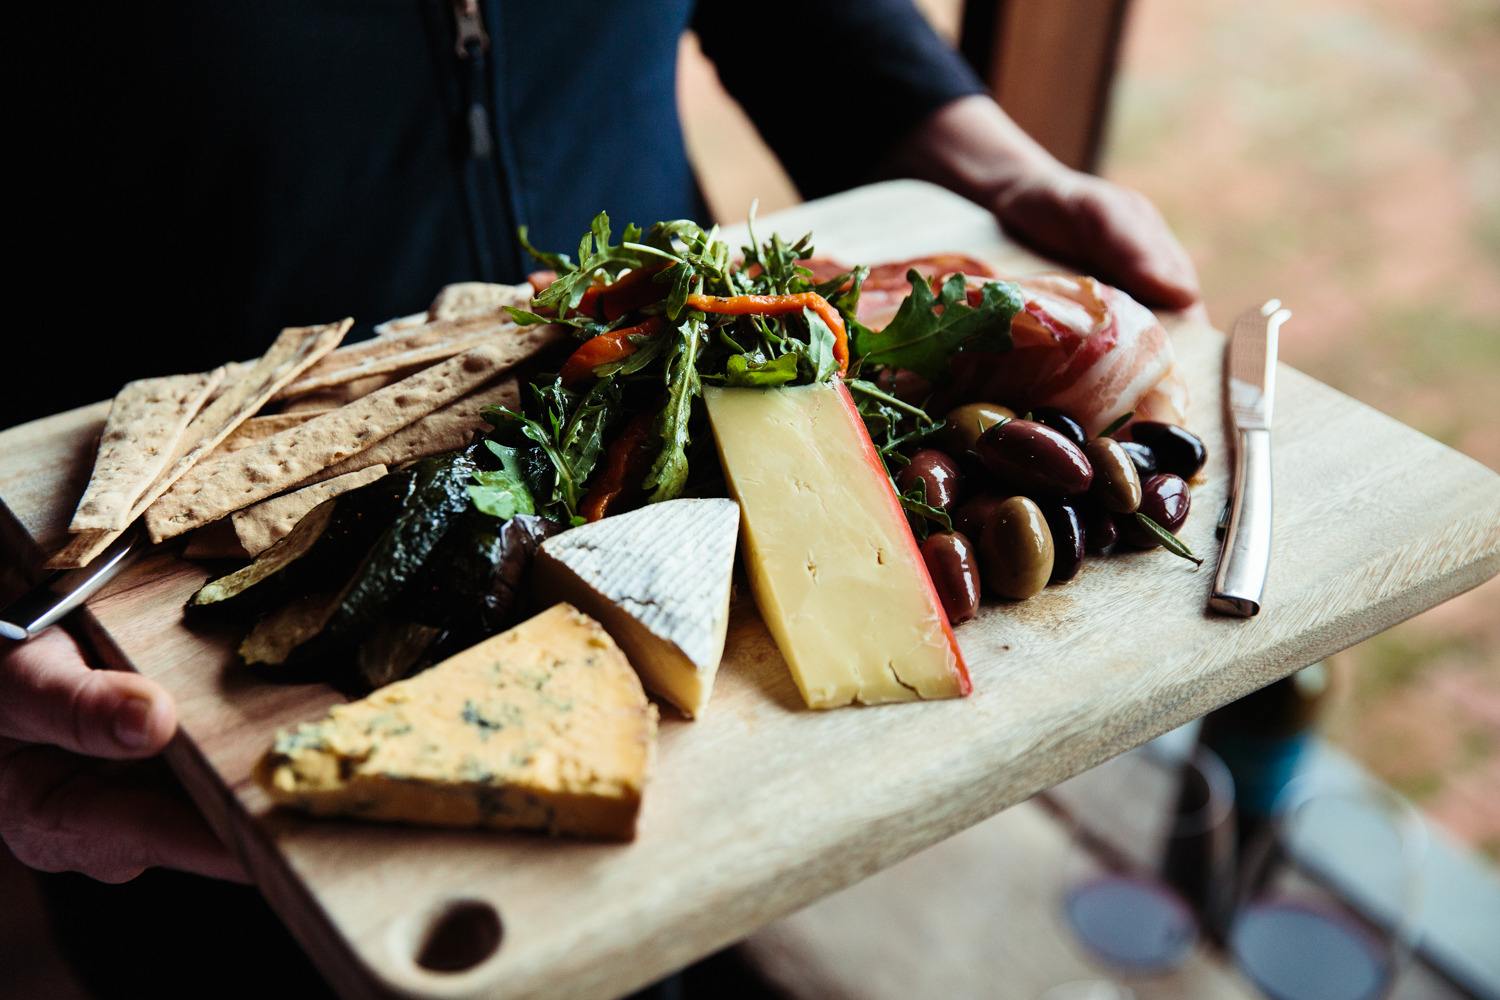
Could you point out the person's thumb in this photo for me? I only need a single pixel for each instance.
(48, 694)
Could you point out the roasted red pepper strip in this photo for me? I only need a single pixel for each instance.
(624, 469)
(777, 305)
(633, 291)
(607, 347)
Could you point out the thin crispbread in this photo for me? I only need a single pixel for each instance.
(429, 343)
(146, 420)
(334, 396)
(477, 298)
(446, 429)
(294, 350)
(266, 523)
(252, 474)
(257, 429)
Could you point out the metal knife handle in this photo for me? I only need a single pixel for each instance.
(49, 601)
(1246, 554)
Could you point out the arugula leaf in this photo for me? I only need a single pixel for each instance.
(502, 492)
(883, 415)
(923, 340)
(595, 256)
(914, 502)
(572, 437)
(669, 472)
(559, 262)
(525, 318)
(818, 351)
(741, 372)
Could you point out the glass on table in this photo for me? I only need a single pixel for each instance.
(1329, 894)
(1163, 838)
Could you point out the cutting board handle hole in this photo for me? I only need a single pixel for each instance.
(461, 935)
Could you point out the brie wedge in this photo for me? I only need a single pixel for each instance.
(658, 579)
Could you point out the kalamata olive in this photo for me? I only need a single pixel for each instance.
(973, 512)
(905, 384)
(966, 423)
(1116, 485)
(1034, 460)
(1099, 531)
(939, 474)
(1164, 499)
(1015, 549)
(1143, 457)
(1066, 527)
(1178, 450)
(954, 567)
(1062, 423)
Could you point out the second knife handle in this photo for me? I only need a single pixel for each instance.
(1246, 554)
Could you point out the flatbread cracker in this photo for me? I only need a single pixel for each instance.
(477, 298)
(146, 420)
(293, 351)
(426, 345)
(446, 429)
(252, 474)
(259, 527)
(257, 429)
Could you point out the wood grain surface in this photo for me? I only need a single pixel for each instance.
(763, 806)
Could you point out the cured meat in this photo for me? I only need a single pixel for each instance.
(1080, 345)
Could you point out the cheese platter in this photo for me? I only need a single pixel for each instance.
(758, 804)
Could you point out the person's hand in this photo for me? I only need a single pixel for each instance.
(76, 793)
(972, 147)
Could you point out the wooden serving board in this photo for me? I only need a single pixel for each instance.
(764, 806)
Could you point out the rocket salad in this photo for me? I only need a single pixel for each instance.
(665, 312)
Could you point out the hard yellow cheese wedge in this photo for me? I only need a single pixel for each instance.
(658, 578)
(543, 727)
(836, 573)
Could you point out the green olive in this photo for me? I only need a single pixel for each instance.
(1117, 486)
(967, 422)
(1015, 549)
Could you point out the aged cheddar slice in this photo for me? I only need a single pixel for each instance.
(658, 579)
(835, 570)
(544, 727)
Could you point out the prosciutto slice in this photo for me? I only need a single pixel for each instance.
(1080, 345)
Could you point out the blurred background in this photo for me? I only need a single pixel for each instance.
(1345, 158)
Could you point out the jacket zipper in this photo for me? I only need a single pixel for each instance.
(472, 43)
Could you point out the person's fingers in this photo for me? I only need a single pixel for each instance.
(1112, 232)
(111, 821)
(48, 694)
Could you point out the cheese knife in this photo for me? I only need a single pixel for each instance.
(49, 601)
(1250, 386)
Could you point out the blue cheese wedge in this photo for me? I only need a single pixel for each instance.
(544, 727)
(658, 578)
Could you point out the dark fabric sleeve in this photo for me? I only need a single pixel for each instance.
(833, 85)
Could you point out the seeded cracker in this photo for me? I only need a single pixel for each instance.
(296, 349)
(252, 474)
(147, 419)
(446, 429)
(428, 344)
(261, 526)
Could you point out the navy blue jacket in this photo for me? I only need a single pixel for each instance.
(200, 173)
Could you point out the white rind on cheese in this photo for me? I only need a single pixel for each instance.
(834, 568)
(658, 578)
(544, 727)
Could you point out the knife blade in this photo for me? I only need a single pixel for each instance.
(49, 601)
(1250, 377)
